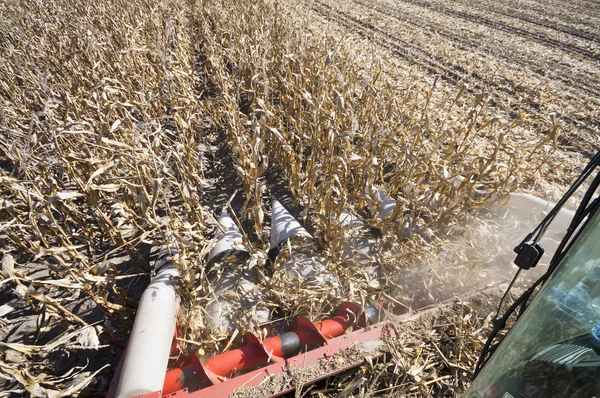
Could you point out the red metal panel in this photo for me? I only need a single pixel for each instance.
(112, 389)
(152, 395)
(256, 377)
(254, 353)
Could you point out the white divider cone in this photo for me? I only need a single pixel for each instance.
(236, 298)
(349, 221)
(526, 203)
(458, 180)
(230, 239)
(147, 355)
(387, 204)
(284, 225)
(303, 263)
(526, 209)
(360, 245)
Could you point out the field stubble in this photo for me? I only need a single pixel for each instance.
(547, 65)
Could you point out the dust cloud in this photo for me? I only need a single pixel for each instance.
(483, 255)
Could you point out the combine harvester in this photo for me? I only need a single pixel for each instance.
(552, 350)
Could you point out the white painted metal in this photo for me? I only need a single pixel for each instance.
(147, 355)
(529, 204)
(385, 201)
(236, 296)
(228, 239)
(284, 225)
(236, 299)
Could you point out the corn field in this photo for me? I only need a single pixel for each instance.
(128, 126)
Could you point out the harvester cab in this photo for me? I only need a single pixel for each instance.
(553, 348)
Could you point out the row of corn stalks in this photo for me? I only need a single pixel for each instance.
(100, 125)
(300, 102)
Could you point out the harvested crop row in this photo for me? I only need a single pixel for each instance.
(544, 78)
(483, 39)
(577, 18)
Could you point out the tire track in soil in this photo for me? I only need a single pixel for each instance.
(551, 15)
(395, 13)
(508, 28)
(390, 43)
(406, 50)
(545, 23)
(560, 10)
(592, 2)
(431, 63)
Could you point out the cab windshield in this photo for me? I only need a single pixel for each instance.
(551, 351)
